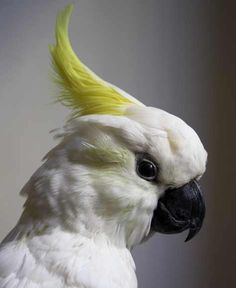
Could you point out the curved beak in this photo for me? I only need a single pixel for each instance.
(180, 209)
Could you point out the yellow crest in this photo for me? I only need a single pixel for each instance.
(82, 90)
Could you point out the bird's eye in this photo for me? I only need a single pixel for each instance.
(146, 169)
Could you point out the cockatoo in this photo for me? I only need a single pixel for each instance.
(121, 172)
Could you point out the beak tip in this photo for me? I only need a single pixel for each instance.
(187, 239)
(191, 234)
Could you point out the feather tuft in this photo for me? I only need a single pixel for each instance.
(81, 89)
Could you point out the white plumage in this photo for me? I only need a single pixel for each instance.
(87, 206)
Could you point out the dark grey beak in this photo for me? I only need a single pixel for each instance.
(180, 209)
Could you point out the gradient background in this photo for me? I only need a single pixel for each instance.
(175, 55)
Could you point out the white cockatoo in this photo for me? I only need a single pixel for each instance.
(121, 172)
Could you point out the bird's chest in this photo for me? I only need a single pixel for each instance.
(87, 265)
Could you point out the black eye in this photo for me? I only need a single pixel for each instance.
(146, 169)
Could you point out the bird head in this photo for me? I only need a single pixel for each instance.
(122, 169)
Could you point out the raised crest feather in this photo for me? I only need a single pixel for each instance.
(81, 89)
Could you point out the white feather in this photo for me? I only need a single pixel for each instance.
(87, 207)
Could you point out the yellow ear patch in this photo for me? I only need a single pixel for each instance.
(82, 90)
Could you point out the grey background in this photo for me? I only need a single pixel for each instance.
(175, 55)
